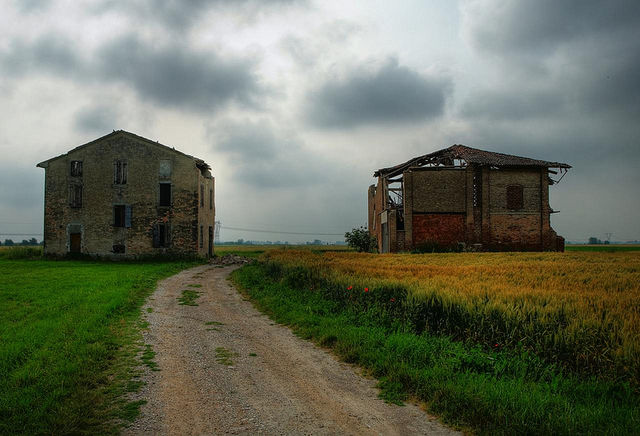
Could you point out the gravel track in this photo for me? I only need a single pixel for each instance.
(271, 381)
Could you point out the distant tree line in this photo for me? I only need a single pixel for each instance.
(11, 243)
(595, 241)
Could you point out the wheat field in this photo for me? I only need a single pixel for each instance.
(580, 310)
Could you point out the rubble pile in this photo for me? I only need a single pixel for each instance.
(229, 259)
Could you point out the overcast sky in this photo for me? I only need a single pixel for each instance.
(295, 103)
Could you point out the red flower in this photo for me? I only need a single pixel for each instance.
(495, 345)
(349, 288)
(392, 299)
(366, 289)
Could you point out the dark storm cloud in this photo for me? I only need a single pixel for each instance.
(390, 94)
(172, 75)
(48, 54)
(264, 156)
(575, 58)
(176, 76)
(96, 119)
(543, 25)
(179, 15)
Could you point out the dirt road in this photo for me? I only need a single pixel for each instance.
(227, 369)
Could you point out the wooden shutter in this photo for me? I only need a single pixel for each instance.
(127, 216)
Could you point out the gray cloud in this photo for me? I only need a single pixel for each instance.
(28, 6)
(178, 77)
(21, 186)
(542, 26)
(575, 57)
(96, 119)
(179, 15)
(50, 54)
(390, 94)
(172, 75)
(264, 156)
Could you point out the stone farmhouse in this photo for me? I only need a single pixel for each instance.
(465, 197)
(123, 195)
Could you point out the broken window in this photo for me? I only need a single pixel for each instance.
(161, 235)
(75, 195)
(201, 236)
(120, 172)
(76, 168)
(165, 169)
(165, 194)
(515, 197)
(122, 215)
(211, 199)
(201, 195)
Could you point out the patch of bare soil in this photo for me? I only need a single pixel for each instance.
(225, 368)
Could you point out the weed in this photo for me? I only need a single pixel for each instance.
(252, 354)
(189, 298)
(213, 323)
(147, 358)
(194, 285)
(149, 309)
(224, 356)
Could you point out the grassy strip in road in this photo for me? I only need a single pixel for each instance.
(69, 337)
(487, 391)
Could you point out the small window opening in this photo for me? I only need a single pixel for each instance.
(76, 168)
(120, 172)
(211, 199)
(118, 248)
(75, 195)
(477, 187)
(201, 195)
(165, 194)
(515, 197)
(201, 236)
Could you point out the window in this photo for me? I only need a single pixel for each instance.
(164, 171)
(477, 187)
(201, 236)
(211, 199)
(201, 195)
(165, 194)
(118, 248)
(76, 168)
(75, 195)
(122, 215)
(120, 172)
(515, 197)
(161, 235)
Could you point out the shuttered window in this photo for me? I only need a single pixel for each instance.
(122, 215)
(161, 235)
(515, 197)
(120, 172)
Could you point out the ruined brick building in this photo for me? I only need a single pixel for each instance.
(123, 195)
(462, 196)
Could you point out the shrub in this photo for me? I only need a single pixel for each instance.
(360, 239)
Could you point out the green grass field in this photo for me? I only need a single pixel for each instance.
(69, 336)
(609, 248)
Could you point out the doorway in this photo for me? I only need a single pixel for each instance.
(75, 242)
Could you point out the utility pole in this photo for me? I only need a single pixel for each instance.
(217, 232)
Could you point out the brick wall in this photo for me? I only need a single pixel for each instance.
(444, 229)
(438, 190)
(515, 232)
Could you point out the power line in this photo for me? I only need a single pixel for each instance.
(281, 232)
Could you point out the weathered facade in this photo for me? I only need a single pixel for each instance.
(462, 196)
(123, 195)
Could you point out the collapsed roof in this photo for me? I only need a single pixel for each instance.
(469, 156)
